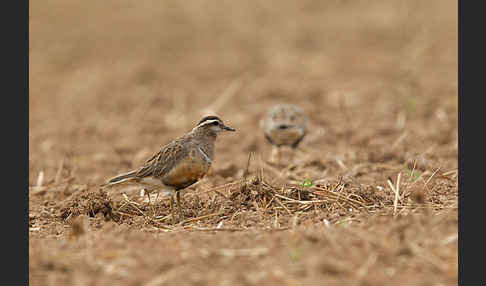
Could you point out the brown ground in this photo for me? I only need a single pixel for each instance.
(111, 81)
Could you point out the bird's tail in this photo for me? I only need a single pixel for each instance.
(120, 179)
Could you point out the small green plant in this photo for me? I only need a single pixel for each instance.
(307, 183)
(412, 174)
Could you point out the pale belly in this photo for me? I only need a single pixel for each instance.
(285, 136)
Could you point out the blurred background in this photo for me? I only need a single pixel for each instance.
(111, 81)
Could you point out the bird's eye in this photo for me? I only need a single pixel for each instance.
(215, 123)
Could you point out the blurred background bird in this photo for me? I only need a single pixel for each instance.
(284, 125)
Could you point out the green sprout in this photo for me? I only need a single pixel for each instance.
(307, 183)
(413, 174)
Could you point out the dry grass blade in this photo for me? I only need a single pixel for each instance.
(244, 252)
(341, 164)
(164, 278)
(337, 196)
(261, 164)
(428, 180)
(290, 200)
(399, 140)
(247, 169)
(448, 173)
(39, 190)
(216, 229)
(282, 205)
(228, 93)
(40, 179)
(396, 191)
(59, 172)
(133, 204)
(449, 239)
(201, 217)
(269, 203)
(433, 174)
(245, 173)
(414, 166)
(220, 194)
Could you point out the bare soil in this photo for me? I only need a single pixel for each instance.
(369, 198)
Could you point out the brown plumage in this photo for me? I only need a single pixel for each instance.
(180, 163)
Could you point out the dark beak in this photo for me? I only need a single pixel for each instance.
(228, 128)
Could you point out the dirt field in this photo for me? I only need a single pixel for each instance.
(112, 81)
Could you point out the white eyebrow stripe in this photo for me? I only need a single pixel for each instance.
(209, 122)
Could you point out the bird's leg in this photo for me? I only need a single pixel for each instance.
(147, 193)
(150, 203)
(181, 214)
(273, 155)
(292, 154)
(278, 153)
(172, 208)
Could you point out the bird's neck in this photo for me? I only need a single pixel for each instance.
(204, 135)
(206, 141)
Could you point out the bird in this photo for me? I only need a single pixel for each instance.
(284, 125)
(180, 163)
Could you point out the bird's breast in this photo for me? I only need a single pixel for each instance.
(286, 136)
(188, 170)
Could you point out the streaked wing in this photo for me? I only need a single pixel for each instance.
(162, 162)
